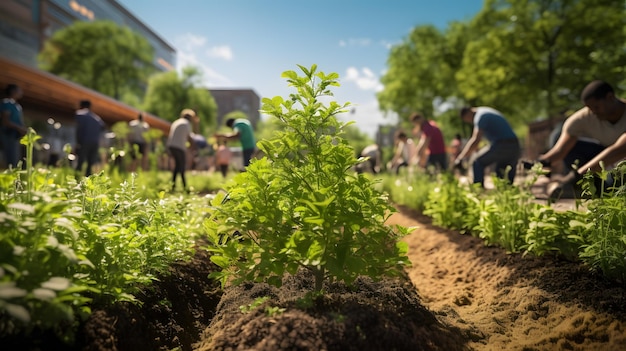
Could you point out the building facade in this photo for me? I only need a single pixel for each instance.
(25, 25)
(244, 100)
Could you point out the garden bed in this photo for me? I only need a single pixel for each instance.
(461, 296)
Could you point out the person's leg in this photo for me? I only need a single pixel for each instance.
(92, 157)
(11, 151)
(179, 165)
(174, 153)
(80, 158)
(510, 154)
(581, 153)
(247, 155)
(143, 149)
(484, 157)
(439, 161)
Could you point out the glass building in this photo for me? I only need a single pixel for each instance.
(26, 24)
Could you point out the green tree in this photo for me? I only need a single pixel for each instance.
(420, 75)
(100, 55)
(533, 57)
(169, 93)
(528, 58)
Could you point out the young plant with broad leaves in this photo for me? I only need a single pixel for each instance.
(302, 205)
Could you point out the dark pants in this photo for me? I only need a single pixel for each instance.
(12, 148)
(224, 170)
(89, 153)
(581, 153)
(180, 161)
(247, 155)
(439, 161)
(502, 153)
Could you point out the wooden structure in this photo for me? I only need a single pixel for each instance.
(49, 95)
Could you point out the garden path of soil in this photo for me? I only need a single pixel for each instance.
(461, 295)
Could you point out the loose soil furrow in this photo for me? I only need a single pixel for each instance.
(509, 302)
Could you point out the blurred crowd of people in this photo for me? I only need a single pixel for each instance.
(592, 137)
(88, 143)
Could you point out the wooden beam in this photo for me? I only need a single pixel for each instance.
(45, 90)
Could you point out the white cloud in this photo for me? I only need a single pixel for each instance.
(364, 79)
(355, 42)
(191, 48)
(210, 77)
(189, 42)
(223, 52)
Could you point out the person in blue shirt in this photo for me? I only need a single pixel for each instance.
(89, 129)
(503, 150)
(12, 127)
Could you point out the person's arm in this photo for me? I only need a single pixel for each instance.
(471, 145)
(229, 136)
(563, 146)
(398, 153)
(608, 156)
(421, 147)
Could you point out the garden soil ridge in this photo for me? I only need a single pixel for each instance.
(458, 294)
(510, 301)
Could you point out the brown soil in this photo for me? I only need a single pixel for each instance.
(458, 295)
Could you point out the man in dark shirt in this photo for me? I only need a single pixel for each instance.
(89, 128)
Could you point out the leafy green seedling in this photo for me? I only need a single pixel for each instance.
(302, 205)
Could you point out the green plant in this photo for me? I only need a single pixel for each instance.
(605, 240)
(256, 303)
(410, 191)
(505, 214)
(452, 205)
(66, 245)
(553, 231)
(302, 205)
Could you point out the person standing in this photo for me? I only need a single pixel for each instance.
(223, 156)
(431, 139)
(12, 127)
(177, 143)
(242, 130)
(503, 149)
(138, 127)
(89, 129)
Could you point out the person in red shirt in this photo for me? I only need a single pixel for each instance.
(431, 139)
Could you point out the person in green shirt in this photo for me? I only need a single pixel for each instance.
(243, 131)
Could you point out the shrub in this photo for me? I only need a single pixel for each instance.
(302, 205)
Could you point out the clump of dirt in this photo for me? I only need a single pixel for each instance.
(368, 315)
(173, 312)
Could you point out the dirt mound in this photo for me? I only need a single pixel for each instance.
(367, 316)
(173, 312)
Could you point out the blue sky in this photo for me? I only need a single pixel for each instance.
(249, 43)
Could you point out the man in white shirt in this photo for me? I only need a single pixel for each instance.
(587, 133)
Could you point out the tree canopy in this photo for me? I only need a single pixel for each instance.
(100, 55)
(527, 58)
(169, 93)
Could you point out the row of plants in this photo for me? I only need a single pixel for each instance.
(68, 244)
(510, 217)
